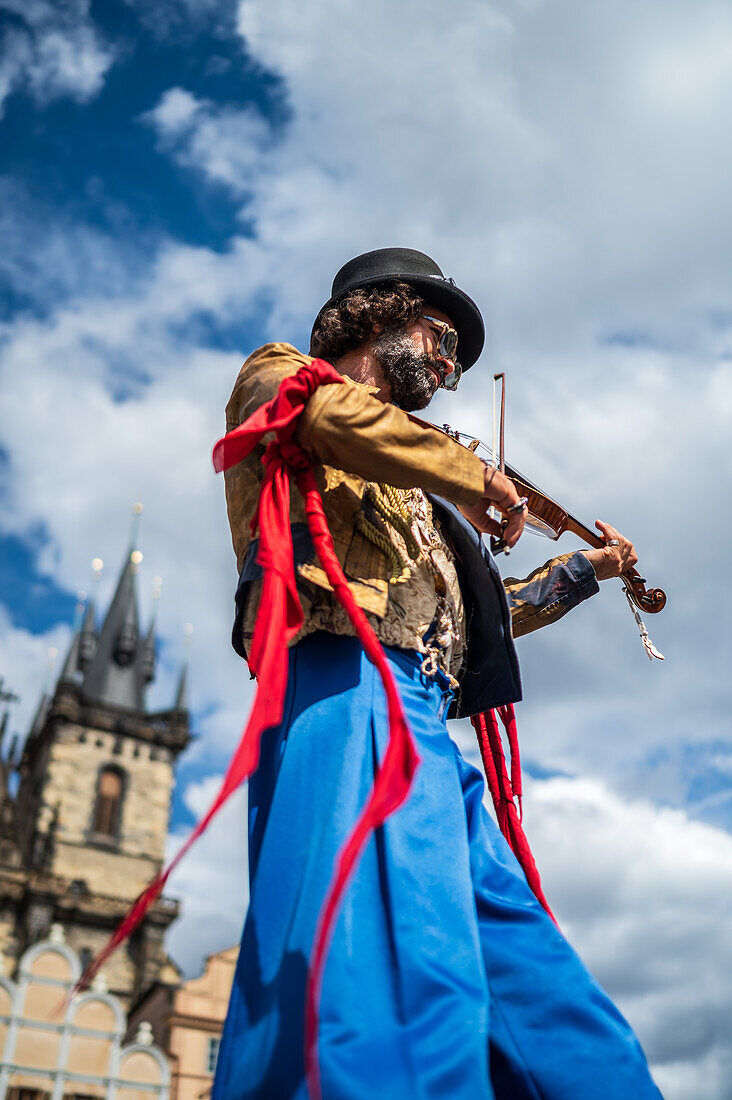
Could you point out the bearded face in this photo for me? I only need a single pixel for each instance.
(413, 375)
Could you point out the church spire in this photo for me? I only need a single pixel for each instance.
(148, 656)
(114, 674)
(181, 695)
(71, 664)
(87, 637)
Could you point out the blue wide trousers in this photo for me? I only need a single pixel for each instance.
(445, 980)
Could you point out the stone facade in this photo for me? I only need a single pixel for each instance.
(84, 817)
(75, 759)
(85, 830)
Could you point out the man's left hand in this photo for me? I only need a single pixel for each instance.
(611, 561)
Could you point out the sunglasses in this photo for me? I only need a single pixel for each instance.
(447, 339)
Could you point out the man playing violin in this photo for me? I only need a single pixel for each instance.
(445, 977)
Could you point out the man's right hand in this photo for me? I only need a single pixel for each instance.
(498, 492)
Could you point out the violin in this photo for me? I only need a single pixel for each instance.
(547, 517)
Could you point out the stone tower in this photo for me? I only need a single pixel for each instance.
(90, 817)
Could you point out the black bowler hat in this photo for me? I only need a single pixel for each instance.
(389, 265)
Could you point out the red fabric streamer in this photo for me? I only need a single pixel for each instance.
(278, 621)
(506, 791)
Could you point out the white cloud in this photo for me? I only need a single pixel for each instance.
(211, 880)
(30, 665)
(225, 144)
(52, 51)
(175, 111)
(645, 896)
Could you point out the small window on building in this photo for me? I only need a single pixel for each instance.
(214, 1042)
(109, 800)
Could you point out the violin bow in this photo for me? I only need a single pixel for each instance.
(498, 546)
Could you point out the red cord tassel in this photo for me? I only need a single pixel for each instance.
(278, 621)
(504, 790)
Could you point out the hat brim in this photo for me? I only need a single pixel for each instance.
(443, 295)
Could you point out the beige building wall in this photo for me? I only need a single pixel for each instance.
(62, 1050)
(196, 1022)
(187, 1022)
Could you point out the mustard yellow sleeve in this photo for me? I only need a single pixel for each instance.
(260, 378)
(344, 426)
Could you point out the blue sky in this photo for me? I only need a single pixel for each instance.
(180, 180)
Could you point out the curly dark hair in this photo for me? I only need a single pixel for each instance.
(350, 322)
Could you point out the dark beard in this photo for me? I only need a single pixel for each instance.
(406, 370)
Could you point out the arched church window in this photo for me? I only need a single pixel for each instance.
(108, 803)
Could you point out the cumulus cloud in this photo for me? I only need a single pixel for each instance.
(30, 664)
(644, 895)
(174, 113)
(224, 144)
(52, 51)
(211, 881)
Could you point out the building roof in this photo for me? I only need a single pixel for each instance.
(114, 674)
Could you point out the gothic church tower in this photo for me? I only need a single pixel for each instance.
(90, 817)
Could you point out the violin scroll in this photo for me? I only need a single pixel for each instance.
(649, 600)
(553, 520)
